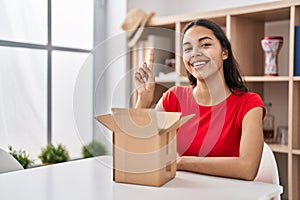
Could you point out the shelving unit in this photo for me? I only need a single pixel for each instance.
(245, 27)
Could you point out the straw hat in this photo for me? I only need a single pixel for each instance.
(134, 24)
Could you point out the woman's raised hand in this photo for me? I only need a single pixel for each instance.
(145, 83)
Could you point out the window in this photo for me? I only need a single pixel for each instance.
(24, 21)
(66, 75)
(43, 47)
(23, 110)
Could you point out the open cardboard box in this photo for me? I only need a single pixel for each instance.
(144, 140)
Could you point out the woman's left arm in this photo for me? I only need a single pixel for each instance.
(243, 167)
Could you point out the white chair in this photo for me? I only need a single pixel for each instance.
(8, 163)
(268, 171)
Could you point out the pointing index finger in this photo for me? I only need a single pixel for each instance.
(151, 58)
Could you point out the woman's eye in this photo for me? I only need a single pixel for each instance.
(187, 49)
(205, 45)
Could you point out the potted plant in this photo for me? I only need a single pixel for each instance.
(51, 154)
(21, 156)
(94, 148)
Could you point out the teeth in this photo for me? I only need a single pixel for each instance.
(197, 64)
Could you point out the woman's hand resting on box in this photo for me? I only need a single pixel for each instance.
(145, 83)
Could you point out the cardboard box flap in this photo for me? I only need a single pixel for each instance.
(167, 119)
(144, 122)
(184, 119)
(175, 125)
(108, 121)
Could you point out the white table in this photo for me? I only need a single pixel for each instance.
(91, 179)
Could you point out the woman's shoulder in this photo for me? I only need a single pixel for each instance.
(245, 101)
(178, 92)
(243, 94)
(173, 98)
(251, 95)
(247, 97)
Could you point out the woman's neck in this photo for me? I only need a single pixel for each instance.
(211, 91)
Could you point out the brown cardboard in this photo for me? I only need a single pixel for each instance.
(144, 141)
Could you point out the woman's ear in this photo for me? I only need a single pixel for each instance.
(225, 54)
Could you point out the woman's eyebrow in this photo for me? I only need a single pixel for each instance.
(204, 38)
(186, 43)
(199, 40)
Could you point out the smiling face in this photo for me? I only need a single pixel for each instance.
(203, 55)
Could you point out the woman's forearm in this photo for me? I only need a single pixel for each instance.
(232, 167)
(143, 102)
(243, 167)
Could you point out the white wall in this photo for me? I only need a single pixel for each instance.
(111, 85)
(111, 48)
(173, 7)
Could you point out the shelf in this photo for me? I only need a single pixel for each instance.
(266, 78)
(268, 15)
(246, 78)
(279, 148)
(180, 79)
(263, 11)
(296, 78)
(166, 26)
(296, 151)
(165, 80)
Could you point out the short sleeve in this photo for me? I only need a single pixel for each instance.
(253, 100)
(170, 101)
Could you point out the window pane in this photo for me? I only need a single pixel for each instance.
(72, 89)
(23, 99)
(23, 21)
(72, 23)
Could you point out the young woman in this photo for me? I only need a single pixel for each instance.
(225, 136)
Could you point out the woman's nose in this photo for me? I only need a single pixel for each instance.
(197, 52)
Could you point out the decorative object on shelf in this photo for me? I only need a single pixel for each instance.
(21, 156)
(268, 124)
(281, 135)
(134, 24)
(271, 46)
(51, 154)
(297, 52)
(94, 148)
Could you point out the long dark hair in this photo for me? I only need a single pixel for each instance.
(232, 75)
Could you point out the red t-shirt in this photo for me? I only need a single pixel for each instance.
(214, 130)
